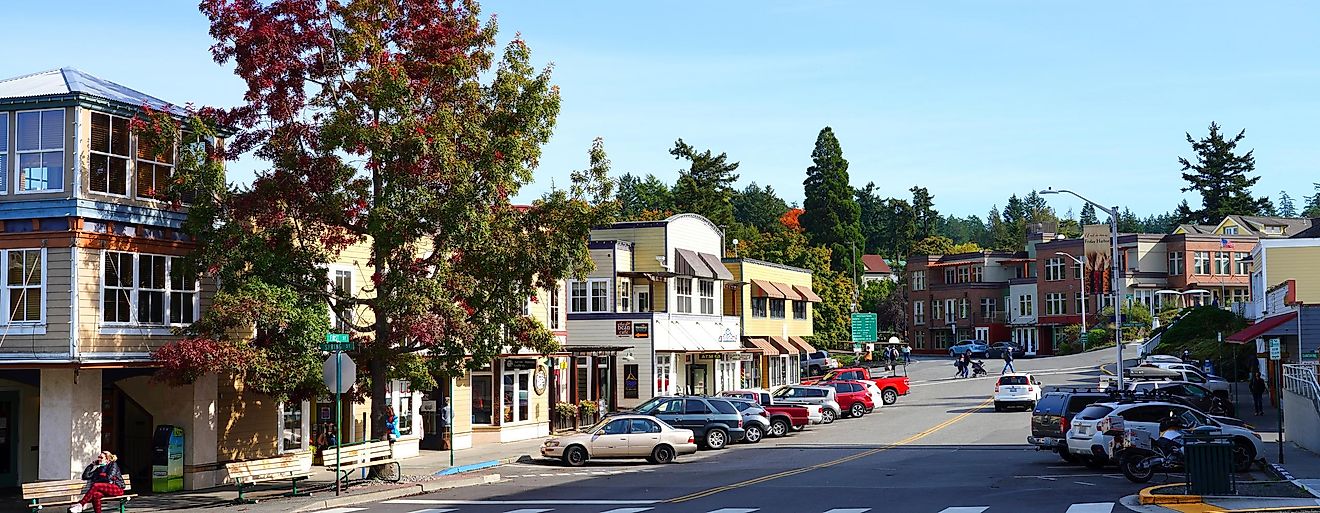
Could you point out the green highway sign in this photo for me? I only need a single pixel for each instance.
(1134, 325)
(336, 342)
(863, 327)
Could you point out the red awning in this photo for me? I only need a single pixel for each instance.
(1260, 328)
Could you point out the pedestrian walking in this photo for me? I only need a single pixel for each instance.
(1186, 356)
(1008, 362)
(907, 355)
(106, 481)
(966, 363)
(958, 365)
(1258, 392)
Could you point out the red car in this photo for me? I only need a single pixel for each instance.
(853, 397)
(890, 388)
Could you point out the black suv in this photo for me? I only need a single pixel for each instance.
(715, 423)
(1054, 410)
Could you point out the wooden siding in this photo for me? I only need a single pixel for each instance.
(696, 234)
(605, 263)
(765, 326)
(648, 243)
(58, 271)
(1295, 263)
(130, 339)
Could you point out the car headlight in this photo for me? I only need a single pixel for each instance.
(552, 443)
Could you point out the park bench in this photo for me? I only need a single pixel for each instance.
(363, 455)
(293, 466)
(42, 494)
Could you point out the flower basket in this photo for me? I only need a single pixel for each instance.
(566, 410)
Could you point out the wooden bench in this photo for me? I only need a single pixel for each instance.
(364, 455)
(294, 466)
(42, 494)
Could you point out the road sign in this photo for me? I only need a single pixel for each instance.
(342, 375)
(863, 327)
(1311, 356)
(1134, 325)
(337, 342)
(1276, 352)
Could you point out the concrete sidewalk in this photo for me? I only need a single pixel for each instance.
(427, 472)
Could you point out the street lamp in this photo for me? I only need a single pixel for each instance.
(1113, 231)
(1081, 266)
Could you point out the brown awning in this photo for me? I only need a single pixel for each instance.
(762, 288)
(785, 347)
(690, 264)
(714, 263)
(762, 344)
(788, 291)
(807, 293)
(803, 344)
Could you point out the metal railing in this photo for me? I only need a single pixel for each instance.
(1300, 379)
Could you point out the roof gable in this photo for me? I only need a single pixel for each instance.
(875, 264)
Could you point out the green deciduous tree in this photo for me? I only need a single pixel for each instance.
(831, 216)
(832, 315)
(1222, 177)
(706, 186)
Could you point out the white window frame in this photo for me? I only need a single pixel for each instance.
(664, 370)
(1230, 230)
(556, 308)
(1223, 263)
(949, 316)
(964, 274)
(136, 176)
(1176, 266)
(129, 161)
(962, 308)
(163, 289)
(1025, 306)
(305, 408)
(978, 273)
(18, 154)
(1054, 269)
(8, 289)
(1056, 304)
(585, 291)
(1201, 264)
(643, 299)
(625, 295)
(133, 324)
(598, 295)
(918, 312)
(4, 152)
(334, 273)
(918, 280)
(577, 291)
(1078, 300)
(1241, 264)
(684, 300)
(707, 300)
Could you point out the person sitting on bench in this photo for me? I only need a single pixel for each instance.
(106, 480)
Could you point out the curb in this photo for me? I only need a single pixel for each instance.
(406, 491)
(1280, 472)
(482, 465)
(1148, 497)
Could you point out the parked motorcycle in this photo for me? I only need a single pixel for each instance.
(1140, 456)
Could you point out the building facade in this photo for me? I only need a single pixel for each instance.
(774, 302)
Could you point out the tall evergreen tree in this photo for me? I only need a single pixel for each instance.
(1286, 206)
(831, 216)
(639, 196)
(1313, 203)
(872, 218)
(923, 206)
(759, 207)
(706, 186)
(1088, 215)
(1222, 177)
(899, 229)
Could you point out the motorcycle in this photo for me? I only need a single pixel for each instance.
(978, 369)
(1140, 456)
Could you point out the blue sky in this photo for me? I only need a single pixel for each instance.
(973, 100)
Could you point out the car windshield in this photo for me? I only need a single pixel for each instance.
(1013, 380)
(598, 425)
(1095, 412)
(650, 404)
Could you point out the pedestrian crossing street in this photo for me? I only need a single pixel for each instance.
(588, 506)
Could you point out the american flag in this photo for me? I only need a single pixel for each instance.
(1225, 243)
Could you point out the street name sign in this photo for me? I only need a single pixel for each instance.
(336, 342)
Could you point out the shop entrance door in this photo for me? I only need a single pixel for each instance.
(433, 425)
(697, 374)
(8, 445)
(126, 430)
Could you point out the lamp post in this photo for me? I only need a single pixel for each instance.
(1114, 269)
(1082, 266)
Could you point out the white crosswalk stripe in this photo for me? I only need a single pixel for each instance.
(965, 509)
(849, 510)
(628, 510)
(1092, 507)
(433, 511)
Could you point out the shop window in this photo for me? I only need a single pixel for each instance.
(405, 413)
(776, 308)
(760, 307)
(516, 380)
(799, 310)
(293, 434)
(482, 407)
(664, 370)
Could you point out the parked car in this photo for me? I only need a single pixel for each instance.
(1051, 417)
(755, 421)
(623, 436)
(1158, 358)
(1016, 389)
(877, 395)
(1086, 441)
(890, 387)
(1190, 394)
(783, 417)
(1184, 366)
(853, 397)
(816, 363)
(998, 349)
(715, 422)
(976, 347)
(1151, 372)
(825, 397)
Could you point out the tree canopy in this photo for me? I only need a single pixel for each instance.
(831, 216)
(1222, 177)
(706, 186)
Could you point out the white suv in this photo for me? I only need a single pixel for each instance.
(1094, 446)
(1016, 389)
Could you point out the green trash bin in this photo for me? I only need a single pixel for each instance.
(1209, 465)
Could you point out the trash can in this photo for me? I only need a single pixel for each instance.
(1209, 465)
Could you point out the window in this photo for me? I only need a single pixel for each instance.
(515, 390)
(1243, 264)
(664, 367)
(23, 285)
(1221, 263)
(1230, 230)
(644, 426)
(1270, 229)
(1079, 299)
(1024, 305)
(776, 308)
(918, 280)
(483, 407)
(948, 311)
(1056, 304)
(1201, 262)
(1240, 295)
(707, 297)
(978, 273)
(342, 281)
(136, 290)
(684, 288)
(625, 296)
(799, 310)
(918, 312)
(760, 307)
(110, 153)
(153, 171)
(554, 308)
(1054, 269)
(948, 276)
(643, 300)
(1077, 270)
(964, 274)
(987, 307)
(40, 146)
(921, 339)
(291, 424)
(577, 296)
(936, 310)
(1176, 263)
(599, 296)
(4, 151)
(962, 308)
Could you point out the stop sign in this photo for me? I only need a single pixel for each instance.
(347, 372)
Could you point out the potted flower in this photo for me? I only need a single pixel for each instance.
(589, 410)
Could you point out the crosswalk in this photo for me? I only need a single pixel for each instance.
(640, 506)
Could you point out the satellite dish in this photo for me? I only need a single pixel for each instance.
(895, 340)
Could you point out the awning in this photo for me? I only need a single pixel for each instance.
(807, 294)
(762, 288)
(802, 344)
(716, 265)
(762, 344)
(690, 264)
(1261, 328)
(784, 346)
(788, 291)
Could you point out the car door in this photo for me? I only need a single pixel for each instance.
(670, 411)
(612, 440)
(643, 436)
(696, 415)
(1197, 395)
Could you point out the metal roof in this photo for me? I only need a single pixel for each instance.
(66, 82)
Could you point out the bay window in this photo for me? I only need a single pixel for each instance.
(40, 145)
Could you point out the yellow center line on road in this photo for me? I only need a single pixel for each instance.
(845, 459)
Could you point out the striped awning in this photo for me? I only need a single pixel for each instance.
(807, 293)
(762, 288)
(762, 344)
(802, 344)
(784, 346)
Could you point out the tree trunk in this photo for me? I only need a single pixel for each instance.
(380, 345)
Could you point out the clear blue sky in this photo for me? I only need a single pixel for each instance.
(973, 100)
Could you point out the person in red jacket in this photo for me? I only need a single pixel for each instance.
(106, 481)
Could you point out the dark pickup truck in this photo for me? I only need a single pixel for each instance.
(1052, 415)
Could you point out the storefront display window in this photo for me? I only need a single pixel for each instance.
(751, 374)
(482, 405)
(776, 371)
(726, 375)
(516, 380)
(664, 369)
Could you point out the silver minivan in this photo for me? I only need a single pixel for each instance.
(811, 394)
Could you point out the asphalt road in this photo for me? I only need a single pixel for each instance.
(941, 449)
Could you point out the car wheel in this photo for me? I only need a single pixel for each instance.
(1243, 455)
(952, 353)
(814, 370)
(857, 410)
(889, 396)
(754, 433)
(662, 454)
(779, 427)
(998, 406)
(1066, 456)
(575, 456)
(827, 415)
(1094, 463)
(717, 439)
